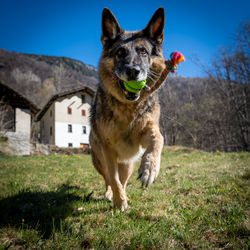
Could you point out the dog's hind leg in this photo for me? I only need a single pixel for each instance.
(98, 162)
(101, 168)
(119, 194)
(125, 171)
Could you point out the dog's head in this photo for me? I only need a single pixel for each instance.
(130, 55)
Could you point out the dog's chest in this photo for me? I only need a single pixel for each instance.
(123, 138)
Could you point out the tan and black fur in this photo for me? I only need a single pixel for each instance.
(123, 123)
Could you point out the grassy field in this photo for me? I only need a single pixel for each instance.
(200, 200)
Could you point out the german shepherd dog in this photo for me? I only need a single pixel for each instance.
(125, 123)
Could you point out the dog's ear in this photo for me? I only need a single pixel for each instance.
(155, 28)
(110, 26)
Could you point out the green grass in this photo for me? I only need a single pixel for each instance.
(200, 200)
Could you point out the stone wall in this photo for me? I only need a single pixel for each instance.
(15, 143)
(46, 149)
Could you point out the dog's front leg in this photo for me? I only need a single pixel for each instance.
(153, 141)
(119, 194)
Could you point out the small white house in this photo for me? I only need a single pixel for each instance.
(64, 121)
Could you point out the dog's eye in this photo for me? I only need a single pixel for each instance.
(143, 51)
(121, 52)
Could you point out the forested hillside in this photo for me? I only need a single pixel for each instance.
(212, 113)
(205, 114)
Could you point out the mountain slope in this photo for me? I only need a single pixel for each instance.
(39, 77)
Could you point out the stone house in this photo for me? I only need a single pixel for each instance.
(64, 120)
(17, 115)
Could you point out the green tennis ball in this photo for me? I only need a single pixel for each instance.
(134, 86)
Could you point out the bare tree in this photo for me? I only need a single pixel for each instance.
(6, 118)
(231, 80)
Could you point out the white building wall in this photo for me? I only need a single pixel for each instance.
(63, 137)
(76, 119)
(23, 121)
(74, 102)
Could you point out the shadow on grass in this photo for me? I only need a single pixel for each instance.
(43, 211)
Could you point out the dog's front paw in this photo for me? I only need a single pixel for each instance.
(147, 174)
(148, 171)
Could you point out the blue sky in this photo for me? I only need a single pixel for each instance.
(72, 28)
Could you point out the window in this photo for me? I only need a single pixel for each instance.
(70, 145)
(83, 99)
(83, 112)
(50, 131)
(84, 130)
(69, 111)
(84, 145)
(69, 128)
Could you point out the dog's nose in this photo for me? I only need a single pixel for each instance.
(132, 72)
